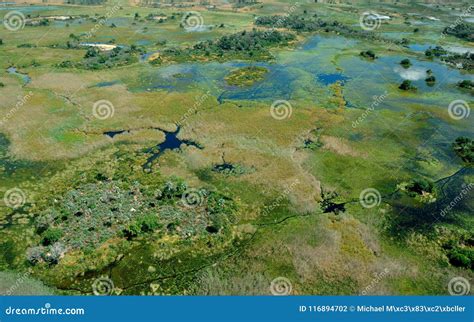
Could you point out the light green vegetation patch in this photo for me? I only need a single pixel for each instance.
(246, 76)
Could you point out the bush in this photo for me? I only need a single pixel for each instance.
(51, 235)
(417, 187)
(461, 257)
(467, 84)
(407, 86)
(405, 63)
(464, 148)
(149, 222)
(430, 80)
(368, 54)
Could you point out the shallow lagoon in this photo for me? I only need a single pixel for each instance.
(310, 69)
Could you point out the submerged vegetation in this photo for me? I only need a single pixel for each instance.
(246, 76)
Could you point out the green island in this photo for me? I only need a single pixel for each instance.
(246, 76)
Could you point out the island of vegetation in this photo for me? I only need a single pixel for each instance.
(246, 76)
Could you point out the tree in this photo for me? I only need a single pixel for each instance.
(407, 86)
(405, 63)
(430, 80)
(51, 235)
(464, 148)
(468, 84)
(368, 54)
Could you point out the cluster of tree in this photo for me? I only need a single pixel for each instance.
(466, 84)
(93, 213)
(460, 252)
(305, 23)
(368, 54)
(430, 79)
(406, 63)
(462, 30)
(437, 51)
(464, 148)
(243, 45)
(94, 59)
(461, 257)
(463, 61)
(406, 85)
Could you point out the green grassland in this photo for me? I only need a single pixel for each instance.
(265, 186)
